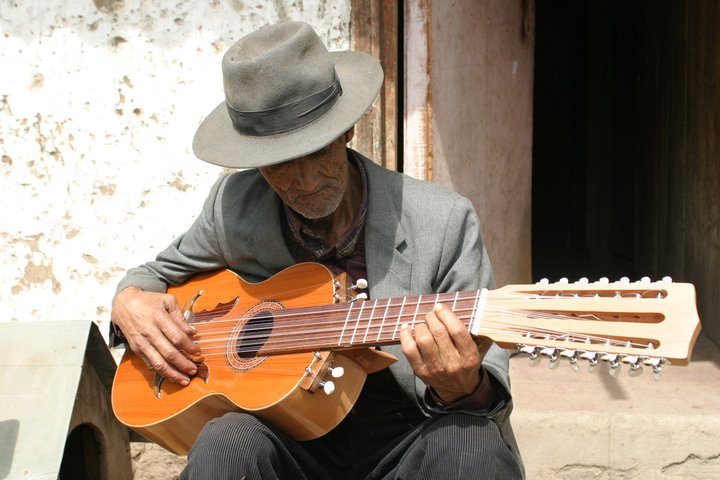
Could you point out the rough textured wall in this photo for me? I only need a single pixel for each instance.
(99, 101)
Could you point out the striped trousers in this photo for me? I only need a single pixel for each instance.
(239, 446)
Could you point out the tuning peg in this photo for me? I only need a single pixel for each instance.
(653, 361)
(604, 280)
(630, 359)
(544, 281)
(361, 284)
(529, 349)
(645, 280)
(635, 370)
(635, 365)
(612, 359)
(609, 357)
(336, 372)
(667, 279)
(583, 281)
(589, 356)
(328, 387)
(549, 352)
(573, 364)
(571, 355)
(563, 281)
(656, 364)
(359, 296)
(624, 280)
(532, 351)
(592, 360)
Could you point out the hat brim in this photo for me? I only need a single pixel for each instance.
(217, 142)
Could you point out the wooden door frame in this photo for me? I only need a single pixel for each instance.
(374, 30)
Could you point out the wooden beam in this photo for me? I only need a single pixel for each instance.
(374, 30)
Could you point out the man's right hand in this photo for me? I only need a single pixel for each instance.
(156, 331)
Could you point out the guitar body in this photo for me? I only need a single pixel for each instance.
(276, 387)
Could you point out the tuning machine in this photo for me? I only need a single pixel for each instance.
(351, 293)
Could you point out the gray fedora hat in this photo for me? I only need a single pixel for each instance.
(286, 96)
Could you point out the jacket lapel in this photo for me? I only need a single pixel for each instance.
(389, 268)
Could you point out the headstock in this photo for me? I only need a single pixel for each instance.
(640, 323)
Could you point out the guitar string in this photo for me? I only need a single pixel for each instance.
(274, 316)
(282, 330)
(521, 330)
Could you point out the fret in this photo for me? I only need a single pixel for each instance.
(347, 318)
(417, 308)
(399, 319)
(370, 319)
(352, 340)
(382, 323)
(455, 301)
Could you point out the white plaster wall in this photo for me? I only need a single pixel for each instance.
(99, 101)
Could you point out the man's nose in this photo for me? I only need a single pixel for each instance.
(304, 176)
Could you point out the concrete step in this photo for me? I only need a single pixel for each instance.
(580, 425)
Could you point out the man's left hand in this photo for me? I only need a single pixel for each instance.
(444, 355)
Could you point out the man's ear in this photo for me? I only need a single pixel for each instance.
(350, 134)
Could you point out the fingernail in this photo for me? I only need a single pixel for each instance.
(184, 382)
(437, 307)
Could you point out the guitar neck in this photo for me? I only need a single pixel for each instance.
(640, 319)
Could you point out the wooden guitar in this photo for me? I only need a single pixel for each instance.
(290, 350)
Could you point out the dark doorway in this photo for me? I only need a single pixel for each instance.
(585, 147)
(83, 455)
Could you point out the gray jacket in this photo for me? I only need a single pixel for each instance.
(419, 238)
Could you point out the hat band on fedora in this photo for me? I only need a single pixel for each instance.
(286, 117)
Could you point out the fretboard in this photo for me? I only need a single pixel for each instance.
(362, 323)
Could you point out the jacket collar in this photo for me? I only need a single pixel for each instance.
(389, 269)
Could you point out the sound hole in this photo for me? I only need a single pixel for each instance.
(254, 334)
(243, 350)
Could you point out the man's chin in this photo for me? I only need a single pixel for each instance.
(312, 212)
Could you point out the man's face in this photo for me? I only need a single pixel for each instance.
(312, 185)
